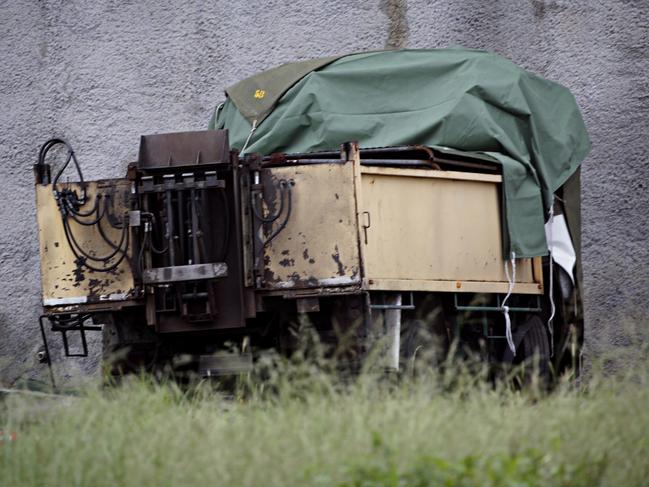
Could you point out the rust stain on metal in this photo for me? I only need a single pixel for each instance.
(307, 257)
(95, 287)
(302, 282)
(336, 257)
(79, 276)
(287, 262)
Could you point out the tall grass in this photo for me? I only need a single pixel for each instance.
(303, 426)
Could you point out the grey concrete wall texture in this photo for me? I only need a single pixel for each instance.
(101, 73)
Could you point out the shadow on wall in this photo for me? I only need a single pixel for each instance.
(541, 7)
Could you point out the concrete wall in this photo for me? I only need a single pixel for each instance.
(101, 73)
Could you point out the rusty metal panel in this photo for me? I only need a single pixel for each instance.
(319, 245)
(436, 231)
(63, 280)
(189, 149)
(181, 273)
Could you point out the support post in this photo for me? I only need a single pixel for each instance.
(393, 330)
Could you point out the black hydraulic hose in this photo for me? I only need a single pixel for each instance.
(183, 239)
(110, 216)
(46, 147)
(83, 260)
(199, 210)
(72, 157)
(225, 243)
(194, 227)
(118, 248)
(155, 250)
(226, 237)
(69, 204)
(140, 256)
(86, 222)
(269, 219)
(288, 215)
(71, 208)
(153, 223)
(101, 230)
(78, 251)
(170, 227)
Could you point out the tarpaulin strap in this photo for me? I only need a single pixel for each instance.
(252, 131)
(552, 307)
(508, 323)
(519, 334)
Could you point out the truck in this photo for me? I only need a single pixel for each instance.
(373, 226)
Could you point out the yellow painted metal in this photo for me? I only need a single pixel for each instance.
(429, 173)
(436, 231)
(64, 281)
(319, 246)
(450, 286)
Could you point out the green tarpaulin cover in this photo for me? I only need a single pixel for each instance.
(465, 99)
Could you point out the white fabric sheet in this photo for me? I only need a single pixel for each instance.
(560, 244)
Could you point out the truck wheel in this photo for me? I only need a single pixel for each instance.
(534, 350)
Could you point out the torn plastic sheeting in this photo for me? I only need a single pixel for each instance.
(560, 244)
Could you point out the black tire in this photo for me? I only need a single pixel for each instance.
(534, 350)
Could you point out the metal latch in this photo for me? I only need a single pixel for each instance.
(367, 223)
(134, 218)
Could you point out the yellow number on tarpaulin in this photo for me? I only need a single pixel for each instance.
(260, 93)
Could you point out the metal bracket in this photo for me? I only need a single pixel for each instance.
(80, 327)
(498, 307)
(495, 309)
(410, 305)
(183, 273)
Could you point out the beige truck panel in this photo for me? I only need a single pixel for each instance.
(319, 246)
(436, 231)
(66, 282)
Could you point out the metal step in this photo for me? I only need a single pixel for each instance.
(220, 364)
